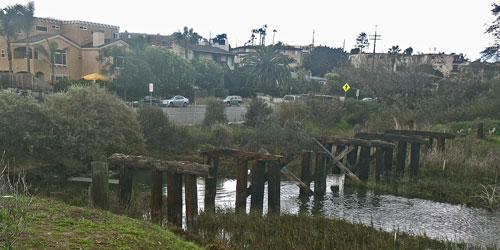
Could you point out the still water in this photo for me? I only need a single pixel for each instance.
(386, 212)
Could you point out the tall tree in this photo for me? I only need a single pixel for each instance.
(27, 19)
(268, 69)
(394, 49)
(209, 74)
(493, 52)
(408, 51)
(185, 38)
(324, 59)
(362, 41)
(220, 39)
(9, 27)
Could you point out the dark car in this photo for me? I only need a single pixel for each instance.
(147, 100)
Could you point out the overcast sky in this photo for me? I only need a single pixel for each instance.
(426, 25)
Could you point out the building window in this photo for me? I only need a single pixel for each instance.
(59, 58)
(3, 53)
(296, 52)
(60, 77)
(83, 27)
(116, 35)
(56, 27)
(119, 61)
(41, 28)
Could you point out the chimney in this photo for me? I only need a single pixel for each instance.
(97, 38)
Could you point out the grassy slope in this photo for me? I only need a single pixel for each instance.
(56, 225)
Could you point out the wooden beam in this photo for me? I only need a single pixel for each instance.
(156, 196)
(379, 163)
(391, 137)
(388, 157)
(320, 173)
(292, 177)
(257, 199)
(125, 186)
(339, 164)
(427, 134)
(273, 187)
(99, 188)
(174, 198)
(242, 154)
(364, 163)
(414, 159)
(401, 158)
(142, 162)
(191, 198)
(305, 172)
(356, 142)
(211, 184)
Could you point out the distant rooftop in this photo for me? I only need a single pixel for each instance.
(58, 21)
(209, 49)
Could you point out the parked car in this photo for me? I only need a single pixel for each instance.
(233, 100)
(147, 100)
(290, 98)
(367, 99)
(179, 101)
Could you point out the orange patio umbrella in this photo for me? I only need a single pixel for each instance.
(97, 77)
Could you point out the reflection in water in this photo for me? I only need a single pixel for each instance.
(388, 212)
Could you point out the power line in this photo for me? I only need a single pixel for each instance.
(374, 38)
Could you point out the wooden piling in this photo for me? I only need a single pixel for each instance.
(388, 157)
(210, 184)
(100, 186)
(174, 198)
(480, 131)
(401, 158)
(320, 173)
(414, 159)
(352, 157)
(431, 141)
(305, 170)
(379, 163)
(241, 186)
(258, 180)
(364, 163)
(338, 150)
(191, 198)
(273, 187)
(440, 144)
(156, 196)
(125, 186)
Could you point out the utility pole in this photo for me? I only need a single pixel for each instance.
(374, 38)
(313, 39)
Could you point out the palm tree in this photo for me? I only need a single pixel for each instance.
(185, 38)
(9, 27)
(27, 20)
(268, 68)
(49, 53)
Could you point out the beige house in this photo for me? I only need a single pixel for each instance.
(207, 51)
(78, 44)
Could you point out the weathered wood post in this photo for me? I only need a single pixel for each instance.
(352, 157)
(305, 170)
(379, 163)
(241, 186)
(174, 198)
(320, 173)
(338, 150)
(480, 132)
(210, 184)
(440, 144)
(401, 158)
(414, 158)
(125, 186)
(99, 188)
(364, 163)
(258, 180)
(388, 157)
(191, 198)
(431, 141)
(273, 187)
(156, 196)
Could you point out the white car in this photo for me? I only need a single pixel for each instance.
(178, 101)
(233, 100)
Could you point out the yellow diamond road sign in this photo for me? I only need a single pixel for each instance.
(346, 87)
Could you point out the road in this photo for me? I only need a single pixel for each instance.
(195, 114)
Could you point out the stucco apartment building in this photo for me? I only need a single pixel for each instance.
(78, 43)
(447, 64)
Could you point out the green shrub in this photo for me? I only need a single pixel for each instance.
(258, 112)
(23, 125)
(157, 130)
(90, 124)
(221, 135)
(291, 112)
(215, 113)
